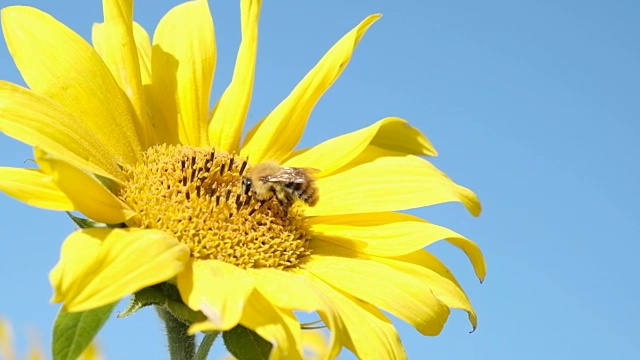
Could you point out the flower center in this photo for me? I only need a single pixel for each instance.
(196, 195)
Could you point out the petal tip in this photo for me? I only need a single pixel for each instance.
(8, 10)
(476, 210)
(15, 11)
(372, 18)
(470, 201)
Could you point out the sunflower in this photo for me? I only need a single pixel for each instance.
(8, 348)
(34, 350)
(123, 133)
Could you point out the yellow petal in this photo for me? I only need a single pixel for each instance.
(382, 234)
(390, 133)
(35, 351)
(315, 343)
(73, 75)
(293, 291)
(114, 41)
(287, 290)
(402, 295)
(388, 183)
(473, 252)
(86, 193)
(219, 289)
(398, 135)
(143, 45)
(33, 187)
(369, 334)
(253, 131)
(391, 234)
(38, 121)
(426, 267)
(420, 264)
(183, 63)
(229, 114)
(6, 340)
(100, 266)
(279, 327)
(280, 132)
(92, 352)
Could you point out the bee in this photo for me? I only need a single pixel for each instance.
(287, 184)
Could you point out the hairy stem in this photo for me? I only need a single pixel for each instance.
(181, 345)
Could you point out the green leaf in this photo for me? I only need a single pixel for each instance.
(73, 332)
(245, 344)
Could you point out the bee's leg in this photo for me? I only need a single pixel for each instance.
(256, 208)
(253, 211)
(290, 197)
(285, 204)
(279, 194)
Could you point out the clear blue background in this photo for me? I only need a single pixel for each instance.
(533, 104)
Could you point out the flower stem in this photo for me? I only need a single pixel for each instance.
(205, 345)
(181, 345)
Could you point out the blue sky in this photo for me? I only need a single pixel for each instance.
(532, 104)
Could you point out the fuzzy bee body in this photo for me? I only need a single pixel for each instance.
(286, 184)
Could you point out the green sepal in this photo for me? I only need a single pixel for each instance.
(108, 183)
(166, 296)
(134, 305)
(83, 223)
(312, 325)
(73, 332)
(245, 344)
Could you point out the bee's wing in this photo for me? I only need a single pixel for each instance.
(312, 171)
(288, 175)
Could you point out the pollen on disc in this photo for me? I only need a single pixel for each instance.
(196, 195)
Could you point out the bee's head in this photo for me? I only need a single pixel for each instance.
(246, 185)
